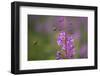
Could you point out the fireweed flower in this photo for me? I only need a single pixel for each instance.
(67, 44)
(61, 40)
(58, 55)
(70, 47)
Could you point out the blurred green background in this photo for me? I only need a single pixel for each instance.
(43, 31)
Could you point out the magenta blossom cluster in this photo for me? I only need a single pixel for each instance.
(66, 44)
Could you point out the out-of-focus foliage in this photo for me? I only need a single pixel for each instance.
(43, 32)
